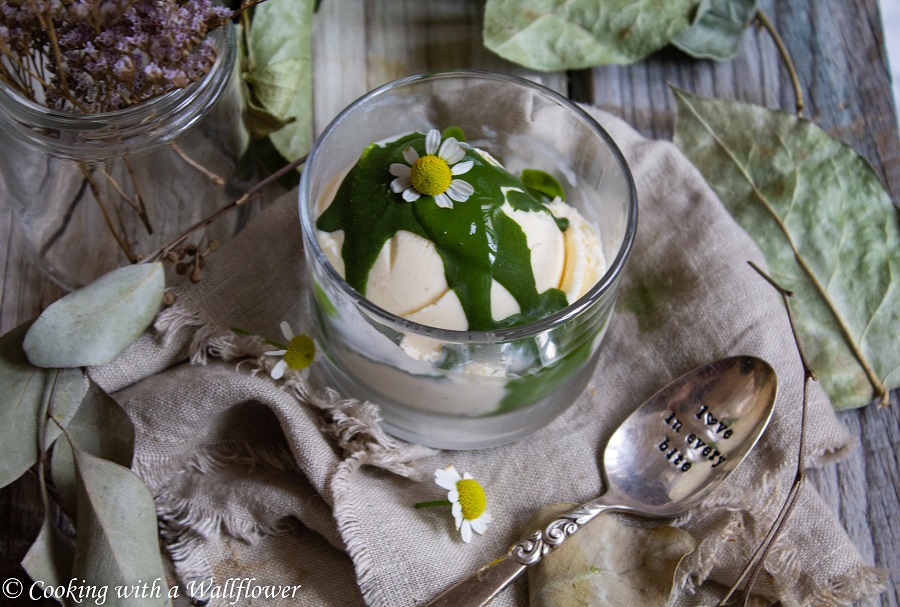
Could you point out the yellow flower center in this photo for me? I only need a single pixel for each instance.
(300, 352)
(430, 175)
(471, 498)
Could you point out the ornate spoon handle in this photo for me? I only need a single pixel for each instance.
(482, 586)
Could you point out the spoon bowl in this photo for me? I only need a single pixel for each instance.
(685, 439)
(668, 455)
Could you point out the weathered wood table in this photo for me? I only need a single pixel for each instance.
(838, 51)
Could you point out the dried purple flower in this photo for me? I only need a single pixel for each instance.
(100, 55)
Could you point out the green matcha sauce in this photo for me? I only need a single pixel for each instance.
(476, 240)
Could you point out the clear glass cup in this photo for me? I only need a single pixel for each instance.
(486, 387)
(93, 192)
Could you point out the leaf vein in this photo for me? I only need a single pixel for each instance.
(842, 217)
(796, 172)
(884, 297)
(841, 322)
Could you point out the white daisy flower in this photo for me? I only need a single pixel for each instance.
(466, 495)
(432, 174)
(298, 354)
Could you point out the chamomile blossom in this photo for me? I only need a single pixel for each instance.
(468, 501)
(298, 354)
(433, 174)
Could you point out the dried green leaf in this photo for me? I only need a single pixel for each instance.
(25, 402)
(716, 30)
(826, 225)
(117, 542)
(50, 557)
(640, 570)
(260, 122)
(280, 70)
(554, 35)
(93, 325)
(276, 85)
(101, 428)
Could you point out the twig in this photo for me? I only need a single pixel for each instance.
(115, 184)
(22, 87)
(245, 6)
(785, 56)
(67, 218)
(42, 443)
(253, 191)
(65, 432)
(95, 190)
(142, 208)
(754, 567)
(10, 75)
(197, 166)
(50, 30)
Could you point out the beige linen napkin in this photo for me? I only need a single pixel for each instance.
(288, 484)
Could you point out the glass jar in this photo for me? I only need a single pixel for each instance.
(93, 192)
(475, 389)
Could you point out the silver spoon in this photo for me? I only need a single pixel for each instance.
(667, 456)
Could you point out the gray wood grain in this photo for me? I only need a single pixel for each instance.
(838, 52)
(837, 47)
(865, 488)
(358, 46)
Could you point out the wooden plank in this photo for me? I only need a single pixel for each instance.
(838, 49)
(358, 46)
(838, 52)
(24, 290)
(864, 490)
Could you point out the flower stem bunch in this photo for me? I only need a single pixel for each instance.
(94, 56)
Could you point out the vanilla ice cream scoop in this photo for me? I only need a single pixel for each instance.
(439, 233)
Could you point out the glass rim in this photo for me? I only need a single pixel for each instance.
(542, 325)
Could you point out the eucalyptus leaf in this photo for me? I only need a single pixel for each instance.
(279, 51)
(552, 35)
(51, 556)
(117, 542)
(716, 30)
(100, 428)
(826, 225)
(25, 392)
(95, 324)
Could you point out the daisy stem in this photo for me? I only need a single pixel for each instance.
(434, 503)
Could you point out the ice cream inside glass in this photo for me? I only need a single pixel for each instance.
(465, 233)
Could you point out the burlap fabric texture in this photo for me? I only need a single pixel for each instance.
(285, 482)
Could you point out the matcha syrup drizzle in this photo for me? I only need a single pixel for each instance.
(476, 240)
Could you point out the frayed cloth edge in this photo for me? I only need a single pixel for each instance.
(155, 470)
(181, 515)
(844, 590)
(352, 424)
(188, 559)
(347, 520)
(781, 567)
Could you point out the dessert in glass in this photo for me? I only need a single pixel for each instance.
(465, 233)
